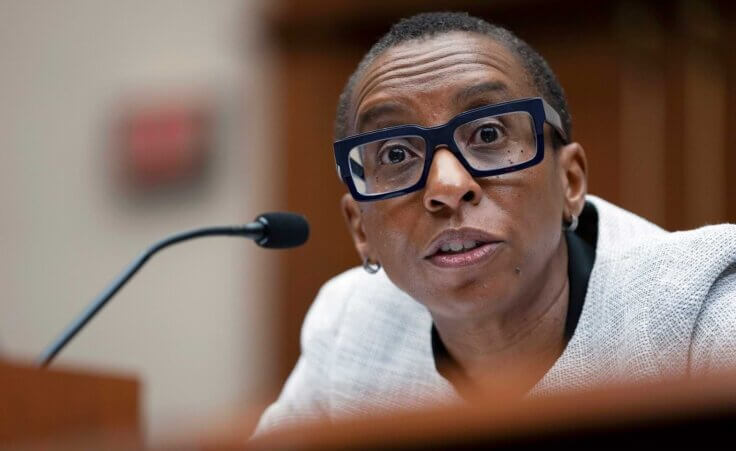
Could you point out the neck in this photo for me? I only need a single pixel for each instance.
(522, 343)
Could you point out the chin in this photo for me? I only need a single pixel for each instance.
(470, 297)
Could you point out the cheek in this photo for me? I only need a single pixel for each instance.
(531, 204)
(528, 199)
(389, 227)
(542, 213)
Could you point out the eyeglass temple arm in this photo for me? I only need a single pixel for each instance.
(554, 119)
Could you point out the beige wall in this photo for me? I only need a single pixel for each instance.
(193, 324)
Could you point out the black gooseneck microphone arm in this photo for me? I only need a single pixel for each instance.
(96, 305)
(274, 230)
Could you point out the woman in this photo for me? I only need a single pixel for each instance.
(467, 203)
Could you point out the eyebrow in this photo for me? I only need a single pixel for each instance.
(471, 93)
(464, 97)
(375, 112)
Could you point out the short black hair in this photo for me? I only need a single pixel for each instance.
(427, 25)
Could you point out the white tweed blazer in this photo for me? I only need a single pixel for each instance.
(658, 303)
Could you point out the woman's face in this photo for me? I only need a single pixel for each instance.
(510, 223)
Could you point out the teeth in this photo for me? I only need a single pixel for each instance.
(469, 244)
(457, 245)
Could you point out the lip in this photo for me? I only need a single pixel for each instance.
(489, 244)
(467, 258)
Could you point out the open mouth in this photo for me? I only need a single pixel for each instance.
(458, 246)
(461, 247)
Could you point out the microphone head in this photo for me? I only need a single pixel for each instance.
(282, 230)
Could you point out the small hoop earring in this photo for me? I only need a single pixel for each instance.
(370, 267)
(572, 225)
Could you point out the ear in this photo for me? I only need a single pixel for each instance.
(574, 177)
(353, 215)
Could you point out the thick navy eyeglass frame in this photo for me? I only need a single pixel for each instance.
(539, 110)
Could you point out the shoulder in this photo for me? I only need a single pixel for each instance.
(355, 315)
(329, 305)
(654, 266)
(714, 340)
(333, 337)
(619, 227)
(652, 293)
(624, 236)
(355, 295)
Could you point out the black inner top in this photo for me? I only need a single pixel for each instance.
(581, 246)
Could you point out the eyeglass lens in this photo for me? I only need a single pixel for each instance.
(488, 143)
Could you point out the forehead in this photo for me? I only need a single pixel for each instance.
(442, 75)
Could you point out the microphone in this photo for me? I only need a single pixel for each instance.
(277, 230)
(280, 230)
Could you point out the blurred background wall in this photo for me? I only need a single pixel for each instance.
(194, 324)
(213, 325)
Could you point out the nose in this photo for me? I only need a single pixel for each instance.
(449, 185)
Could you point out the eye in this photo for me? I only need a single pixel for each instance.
(487, 134)
(394, 154)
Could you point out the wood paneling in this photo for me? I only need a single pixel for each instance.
(311, 82)
(728, 53)
(679, 414)
(704, 108)
(67, 407)
(643, 120)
